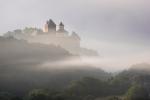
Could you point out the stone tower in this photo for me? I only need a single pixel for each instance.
(61, 26)
(50, 27)
(61, 31)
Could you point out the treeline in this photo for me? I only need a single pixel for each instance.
(87, 88)
(26, 30)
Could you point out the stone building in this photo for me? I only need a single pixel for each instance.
(56, 35)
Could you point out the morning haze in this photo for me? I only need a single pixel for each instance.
(74, 50)
(114, 28)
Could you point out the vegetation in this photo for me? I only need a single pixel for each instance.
(70, 84)
(27, 30)
(137, 92)
(87, 88)
(24, 81)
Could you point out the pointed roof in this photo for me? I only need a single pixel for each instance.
(51, 23)
(75, 35)
(61, 28)
(61, 24)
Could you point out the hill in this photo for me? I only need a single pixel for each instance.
(21, 67)
(136, 74)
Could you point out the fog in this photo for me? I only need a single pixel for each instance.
(118, 30)
(26, 66)
(90, 49)
(20, 53)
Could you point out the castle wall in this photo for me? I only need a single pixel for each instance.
(66, 42)
(58, 37)
(44, 39)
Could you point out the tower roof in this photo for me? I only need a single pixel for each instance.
(75, 35)
(51, 23)
(61, 24)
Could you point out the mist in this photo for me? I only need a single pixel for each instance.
(116, 29)
(74, 50)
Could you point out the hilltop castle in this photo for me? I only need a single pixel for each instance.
(53, 34)
(60, 37)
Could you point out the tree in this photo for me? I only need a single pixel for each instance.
(137, 92)
(87, 86)
(89, 97)
(38, 94)
(29, 30)
(18, 31)
(113, 98)
(6, 96)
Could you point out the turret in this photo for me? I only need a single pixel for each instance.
(61, 31)
(61, 26)
(50, 27)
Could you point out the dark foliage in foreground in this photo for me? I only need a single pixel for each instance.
(87, 88)
(21, 79)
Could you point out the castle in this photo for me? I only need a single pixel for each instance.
(58, 36)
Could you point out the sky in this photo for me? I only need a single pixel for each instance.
(118, 29)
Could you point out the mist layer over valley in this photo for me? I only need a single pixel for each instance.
(27, 66)
(37, 68)
(52, 65)
(89, 50)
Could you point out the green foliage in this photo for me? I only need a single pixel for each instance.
(110, 98)
(137, 92)
(8, 96)
(86, 89)
(29, 30)
(87, 86)
(18, 31)
(89, 97)
(41, 94)
(5, 96)
(113, 98)
(38, 94)
(119, 85)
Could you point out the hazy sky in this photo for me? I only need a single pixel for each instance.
(118, 29)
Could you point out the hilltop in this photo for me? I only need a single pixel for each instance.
(51, 34)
